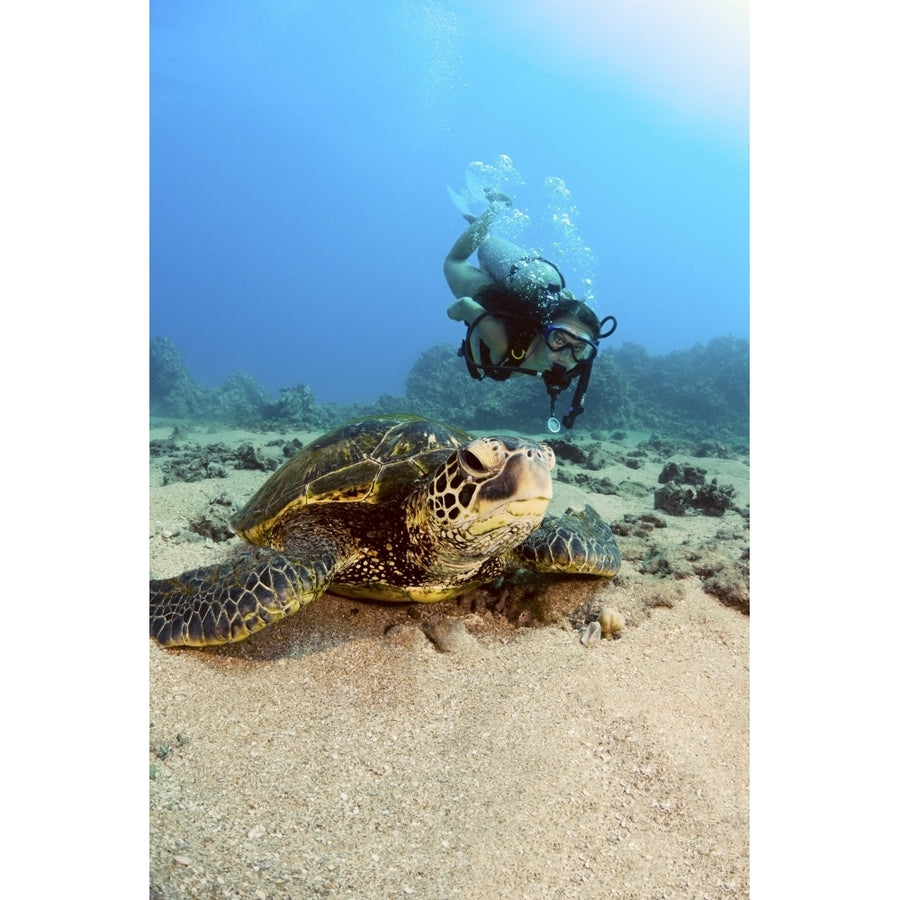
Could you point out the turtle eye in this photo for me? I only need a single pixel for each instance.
(471, 463)
(481, 458)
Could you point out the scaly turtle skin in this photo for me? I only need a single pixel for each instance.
(394, 508)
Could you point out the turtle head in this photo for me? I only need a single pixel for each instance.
(490, 495)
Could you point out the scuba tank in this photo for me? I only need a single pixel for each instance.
(513, 267)
(497, 256)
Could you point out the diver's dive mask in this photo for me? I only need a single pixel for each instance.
(559, 339)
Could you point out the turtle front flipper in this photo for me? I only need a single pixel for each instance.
(229, 602)
(577, 543)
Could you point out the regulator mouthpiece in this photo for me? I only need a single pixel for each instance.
(553, 424)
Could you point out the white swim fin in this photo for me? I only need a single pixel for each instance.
(461, 204)
(474, 184)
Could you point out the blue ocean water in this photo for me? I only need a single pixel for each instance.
(301, 153)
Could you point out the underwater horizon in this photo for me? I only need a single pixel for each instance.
(305, 158)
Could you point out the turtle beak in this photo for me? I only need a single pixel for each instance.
(520, 493)
(526, 476)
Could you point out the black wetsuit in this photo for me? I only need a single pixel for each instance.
(523, 323)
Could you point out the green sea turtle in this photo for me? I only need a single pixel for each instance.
(393, 508)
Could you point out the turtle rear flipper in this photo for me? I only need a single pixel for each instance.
(577, 543)
(229, 602)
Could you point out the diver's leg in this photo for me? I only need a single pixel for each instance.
(463, 278)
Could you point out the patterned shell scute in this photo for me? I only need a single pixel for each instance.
(366, 461)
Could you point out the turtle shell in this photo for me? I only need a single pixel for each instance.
(370, 460)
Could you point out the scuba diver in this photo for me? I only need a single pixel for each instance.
(521, 318)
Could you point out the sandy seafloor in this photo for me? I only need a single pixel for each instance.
(333, 754)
